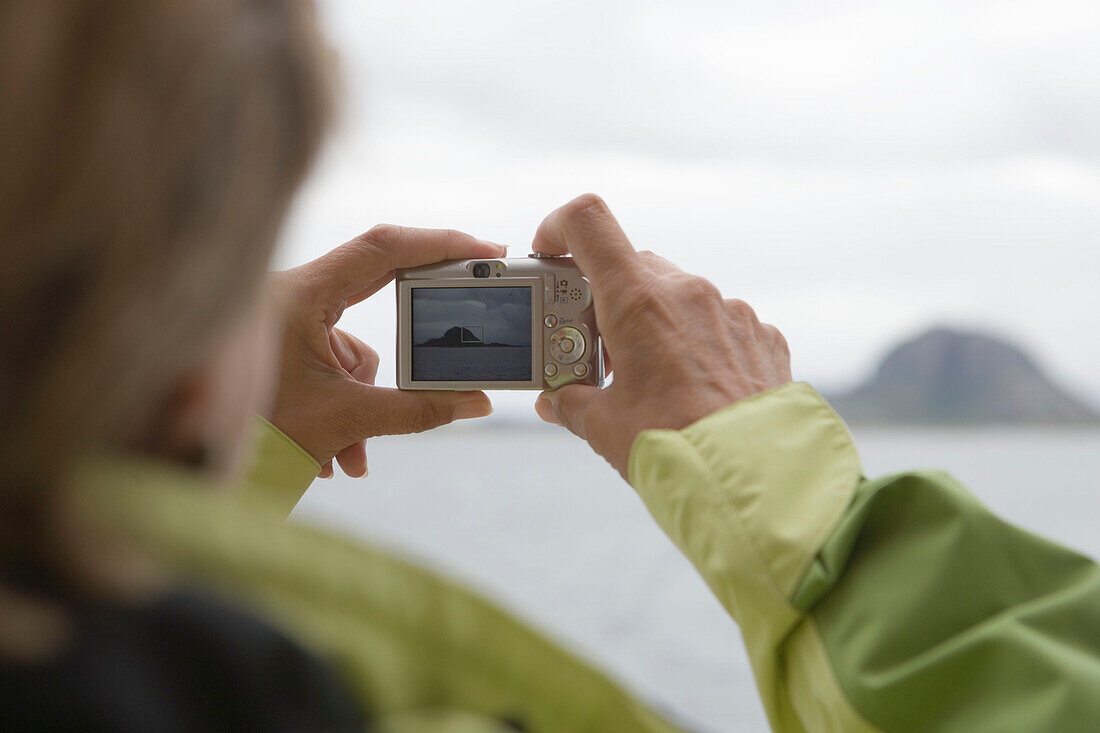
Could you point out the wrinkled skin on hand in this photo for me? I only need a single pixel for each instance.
(680, 350)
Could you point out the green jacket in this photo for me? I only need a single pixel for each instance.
(898, 604)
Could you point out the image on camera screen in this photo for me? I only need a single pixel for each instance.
(471, 334)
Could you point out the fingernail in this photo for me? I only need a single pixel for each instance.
(502, 247)
(472, 409)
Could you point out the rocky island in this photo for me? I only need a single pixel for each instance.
(458, 336)
(952, 377)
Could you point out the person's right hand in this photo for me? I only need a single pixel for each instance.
(680, 351)
(326, 400)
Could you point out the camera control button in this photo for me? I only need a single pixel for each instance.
(567, 345)
(580, 369)
(551, 320)
(550, 370)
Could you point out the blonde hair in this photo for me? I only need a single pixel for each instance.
(151, 150)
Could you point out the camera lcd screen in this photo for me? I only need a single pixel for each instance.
(471, 334)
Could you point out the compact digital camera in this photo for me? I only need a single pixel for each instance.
(523, 323)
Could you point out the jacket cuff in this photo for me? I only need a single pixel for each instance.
(281, 470)
(751, 492)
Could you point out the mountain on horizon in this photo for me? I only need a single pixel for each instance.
(947, 376)
(457, 336)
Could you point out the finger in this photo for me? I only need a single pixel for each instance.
(332, 316)
(568, 407)
(372, 288)
(781, 350)
(357, 266)
(385, 411)
(355, 357)
(545, 410)
(353, 459)
(586, 229)
(657, 264)
(741, 311)
(776, 337)
(326, 470)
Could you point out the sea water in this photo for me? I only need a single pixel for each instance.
(486, 363)
(528, 515)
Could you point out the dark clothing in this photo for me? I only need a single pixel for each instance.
(185, 663)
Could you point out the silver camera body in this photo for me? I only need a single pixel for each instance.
(521, 323)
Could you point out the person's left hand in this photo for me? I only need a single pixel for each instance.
(326, 400)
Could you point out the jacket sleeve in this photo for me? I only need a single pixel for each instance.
(899, 604)
(279, 471)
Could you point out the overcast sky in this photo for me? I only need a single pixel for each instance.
(855, 170)
(496, 315)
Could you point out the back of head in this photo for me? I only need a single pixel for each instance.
(150, 150)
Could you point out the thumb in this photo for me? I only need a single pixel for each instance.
(385, 411)
(568, 407)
